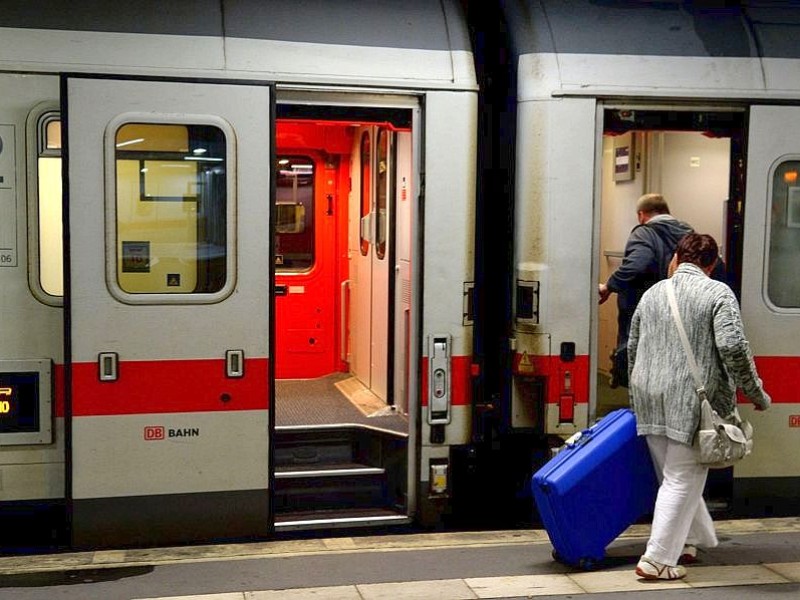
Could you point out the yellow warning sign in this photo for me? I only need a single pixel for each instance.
(525, 365)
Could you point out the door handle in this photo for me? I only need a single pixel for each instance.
(108, 366)
(234, 363)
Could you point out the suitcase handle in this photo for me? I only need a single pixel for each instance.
(582, 438)
(578, 439)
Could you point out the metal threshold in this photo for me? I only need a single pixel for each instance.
(336, 522)
(329, 472)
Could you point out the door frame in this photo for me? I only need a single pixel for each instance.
(733, 218)
(306, 101)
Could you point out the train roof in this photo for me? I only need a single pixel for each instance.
(656, 48)
(413, 43)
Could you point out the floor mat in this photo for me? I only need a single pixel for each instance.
(310, 402)
(362, 398)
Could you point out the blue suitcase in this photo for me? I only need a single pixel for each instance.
(598, 485)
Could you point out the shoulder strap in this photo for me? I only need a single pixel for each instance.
(673, 304)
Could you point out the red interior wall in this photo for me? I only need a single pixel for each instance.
(308, 332)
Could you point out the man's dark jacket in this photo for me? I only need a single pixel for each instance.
(648, 253)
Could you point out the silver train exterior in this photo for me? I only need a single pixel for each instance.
(520, 141)
(701, 103)
(138, 380)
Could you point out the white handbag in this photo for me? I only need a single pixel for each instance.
(720, 441)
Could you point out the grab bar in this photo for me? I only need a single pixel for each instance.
(343, 321)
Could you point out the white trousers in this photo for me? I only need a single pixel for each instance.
(680, 516)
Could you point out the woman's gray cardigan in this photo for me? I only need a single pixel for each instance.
(662, 389)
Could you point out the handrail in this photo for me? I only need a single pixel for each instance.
(343, 321)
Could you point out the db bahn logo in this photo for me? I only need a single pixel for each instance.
(154, 433)
(158, 432)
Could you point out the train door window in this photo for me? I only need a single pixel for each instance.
(783, 276)
(366, 192)
(294, 216)
(382, 193)
(49, 194)
(173, 221)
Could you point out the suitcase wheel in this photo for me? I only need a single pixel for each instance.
(587, 564)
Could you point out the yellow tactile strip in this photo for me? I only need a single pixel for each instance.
(392, 543)
(523, 585)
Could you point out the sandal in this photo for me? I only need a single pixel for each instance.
(650, 569)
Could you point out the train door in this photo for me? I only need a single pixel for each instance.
(168, 309)
(369, 246)
(341, 451)
(766, 483)
(307, 213)
(693, 158)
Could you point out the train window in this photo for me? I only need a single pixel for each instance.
(50, 242)
(382, 193)
(366, 192)
(171, 208)
(294, 214)
(783, 286)
(52, 133)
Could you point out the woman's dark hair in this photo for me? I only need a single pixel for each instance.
(699, 249)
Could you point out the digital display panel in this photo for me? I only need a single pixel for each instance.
(26, 402)
(19, 402)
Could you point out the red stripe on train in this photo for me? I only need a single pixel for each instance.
(781, 377)
(564, 378)
(169, 386)
(460, 378)
(780, 374)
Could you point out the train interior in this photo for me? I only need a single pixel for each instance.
(342, 305)
(690, 158)
(695, 160)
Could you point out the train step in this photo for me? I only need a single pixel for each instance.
(345, 518)
(326, 470)
(338, 476)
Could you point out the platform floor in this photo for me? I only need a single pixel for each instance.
(755, 559)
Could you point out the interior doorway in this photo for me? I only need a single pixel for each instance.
(341, 453)
(695, 160)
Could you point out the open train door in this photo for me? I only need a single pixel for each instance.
(370, 231)
(771, 307)
(168, 309)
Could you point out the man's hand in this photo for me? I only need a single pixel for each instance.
(604, 292)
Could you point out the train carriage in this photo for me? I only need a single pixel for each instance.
(250, 321)
(698, 102)
(277, 266)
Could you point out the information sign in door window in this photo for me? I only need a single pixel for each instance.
(135, 257)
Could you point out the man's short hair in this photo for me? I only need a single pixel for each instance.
(652, 204)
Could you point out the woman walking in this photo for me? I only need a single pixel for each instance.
(664, 398)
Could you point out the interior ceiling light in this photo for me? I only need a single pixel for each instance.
(129, 142)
